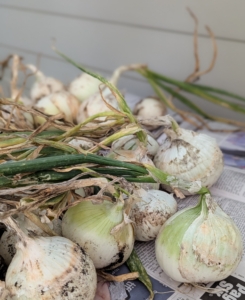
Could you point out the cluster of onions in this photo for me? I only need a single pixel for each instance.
(188, 245)
(83, 98)
(95, 236)
(107, 230)
(193, 245)
(49, 96)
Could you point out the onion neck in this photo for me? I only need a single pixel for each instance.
(114, 211)
(174, 131)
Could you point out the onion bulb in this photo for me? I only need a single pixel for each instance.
(43, 85)
(61, 102)
(95, 104)
(101, 230)
(49, 268)
(9, 237)
(84, 86)
(200, 244)
(149, 107)
(130, 142)
(150, 212)
(191, 156)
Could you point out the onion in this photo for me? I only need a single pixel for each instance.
(84, 86)
(151, 212)
(49, 268)
(95, 104)
(200, 244)
(191, 156)
(149, 107)
(61, 102)
(101, 230)
(9, 237)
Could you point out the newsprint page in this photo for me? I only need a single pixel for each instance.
(229, 192)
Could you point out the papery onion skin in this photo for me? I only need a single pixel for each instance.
(151, 212)
(81, 143)
(56, 103)
(199, 244)
(90, 226)
(191, 156)
(50, 268)
(21, 118)
(130, 142)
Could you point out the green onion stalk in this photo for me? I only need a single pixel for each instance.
(161, 83)
(142, 172)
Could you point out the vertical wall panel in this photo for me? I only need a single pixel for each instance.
(105, 34)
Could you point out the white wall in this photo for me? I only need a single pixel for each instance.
(104, 34)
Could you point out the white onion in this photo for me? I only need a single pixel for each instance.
(149, 107)
(191, 156)
(9, 237)
(84, 86)
(93, 227)
(150, 212)
(61, 102)
(200, 244)
(50, 268)
(95, 104)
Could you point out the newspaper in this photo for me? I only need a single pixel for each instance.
(229, 192)
(230, 142)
